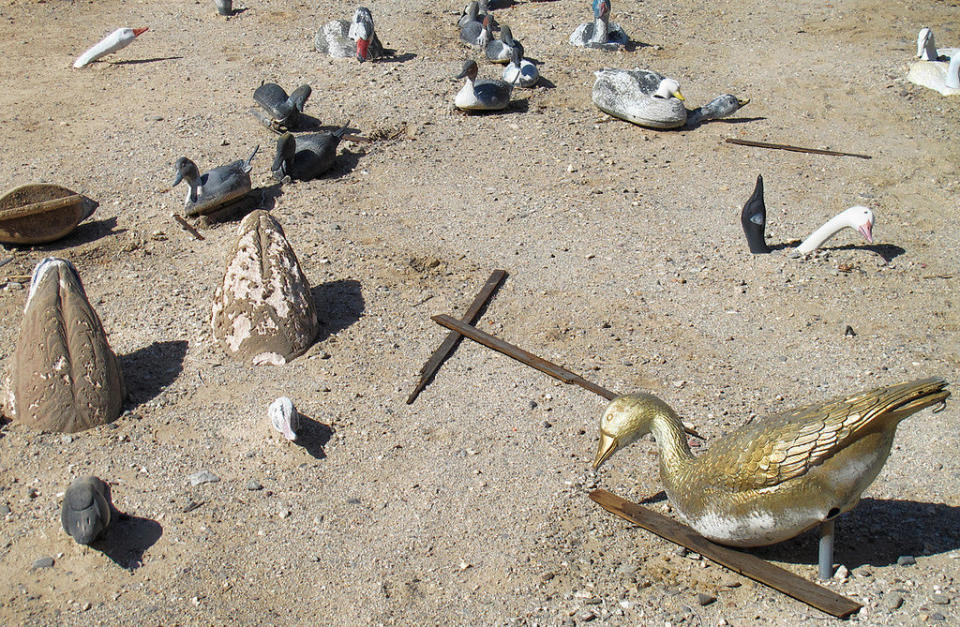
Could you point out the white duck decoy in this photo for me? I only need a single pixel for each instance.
(500, 51)
(284, 417)
(650, 99)
(938, 69)
(753, 219)
(601, 33)
(120, 38)
(342, 39)
(520, 71)
(481, 95)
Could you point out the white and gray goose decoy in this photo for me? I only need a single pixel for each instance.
(117, 40)
(601, 33)
(357, 38)
(650, 99)
(938, 69)
(477, 33)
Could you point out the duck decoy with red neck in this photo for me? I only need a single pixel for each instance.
(216, 189)
(753, 219)
(306, 157)
(280, 112)
(772, 479)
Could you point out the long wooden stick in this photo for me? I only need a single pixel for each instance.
(187, 226)
(453, 338)
(552, 369)
(44, 205)
(737, 561)
(815, 151)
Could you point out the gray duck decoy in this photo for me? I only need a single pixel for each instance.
(87, 511)
(482, 95)
(477, 33)
(500, 51)
(215, 189)
(307, 156)
(279, 111)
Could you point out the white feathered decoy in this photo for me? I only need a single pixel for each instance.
(120, 38)
(284, 417)
(357, 38)
(938, 69)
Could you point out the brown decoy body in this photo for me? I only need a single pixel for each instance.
(772, 479)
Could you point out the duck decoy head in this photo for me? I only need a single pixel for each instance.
(299, 97)
(669, 87)
(186, 171)
(626, 419)
(283, 160)
(506, 36)
(284, 417)
(469, 70)
(601, 9)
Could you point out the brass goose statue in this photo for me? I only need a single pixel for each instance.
(772, 479)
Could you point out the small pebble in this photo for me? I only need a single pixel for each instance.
(893, 602)
(841, 573)
(4, 509)
(941, 599)
(705, 599)
(547, 576)
(906, 560)
(66, 439)
(284, 513)
(586, 617)
(86, 606)
(937, 616)
(253, 484)
(203, 476)
(43, 562)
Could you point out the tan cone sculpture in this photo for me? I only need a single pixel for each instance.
(264, 311)
(65, 377)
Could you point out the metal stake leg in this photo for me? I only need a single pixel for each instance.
(827, 528)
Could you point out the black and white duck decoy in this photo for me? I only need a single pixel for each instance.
(87, 511)
(65, 376)
(481, 95)
(501, 50)
(753, 219)
(520, 71)
(601, 33)
(473, 13)
(306, 157)
(278, 111)
(216, 189)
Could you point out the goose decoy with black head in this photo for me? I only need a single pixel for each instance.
(481, 95)
(65, 376)
(215, 189)
(500, 51)
(602, 33)
(280, 112)
(87, 511)
(308, 156)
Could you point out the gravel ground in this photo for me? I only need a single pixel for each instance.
(627, 264)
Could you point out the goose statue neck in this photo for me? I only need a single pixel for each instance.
(857, 218)
(601, 22)
(926, 48)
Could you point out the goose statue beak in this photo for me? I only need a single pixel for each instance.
(678, 95)
(866, 229)
(742, 103)
(139, 31)
(608, 444)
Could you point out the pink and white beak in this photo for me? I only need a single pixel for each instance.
(139, 31)
(866, 229)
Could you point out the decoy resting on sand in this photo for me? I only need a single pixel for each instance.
(500, 50)
(306, 157)
(938, 69)
(650, 99)
(772, 479)
(284, 417)
(601, 34)
(520, 71)
(278, 111)
(120, 38)
(65, 378)
(357, 38)
(216, 189)
(753, 219)
(481, 95)
(87, 511)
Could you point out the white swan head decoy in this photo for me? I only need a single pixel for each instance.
(668, 87)
(284, 417)
(858, 218)
(926, 48)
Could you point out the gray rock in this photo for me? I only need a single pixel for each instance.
(4, 509)
(937, 616)
(43, 562)
(253, 485)
(705, 599)
(841, 573)
(203, 476)
(893, 602)
(906, 560)
(940, 599)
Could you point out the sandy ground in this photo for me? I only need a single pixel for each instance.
(626, 262)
